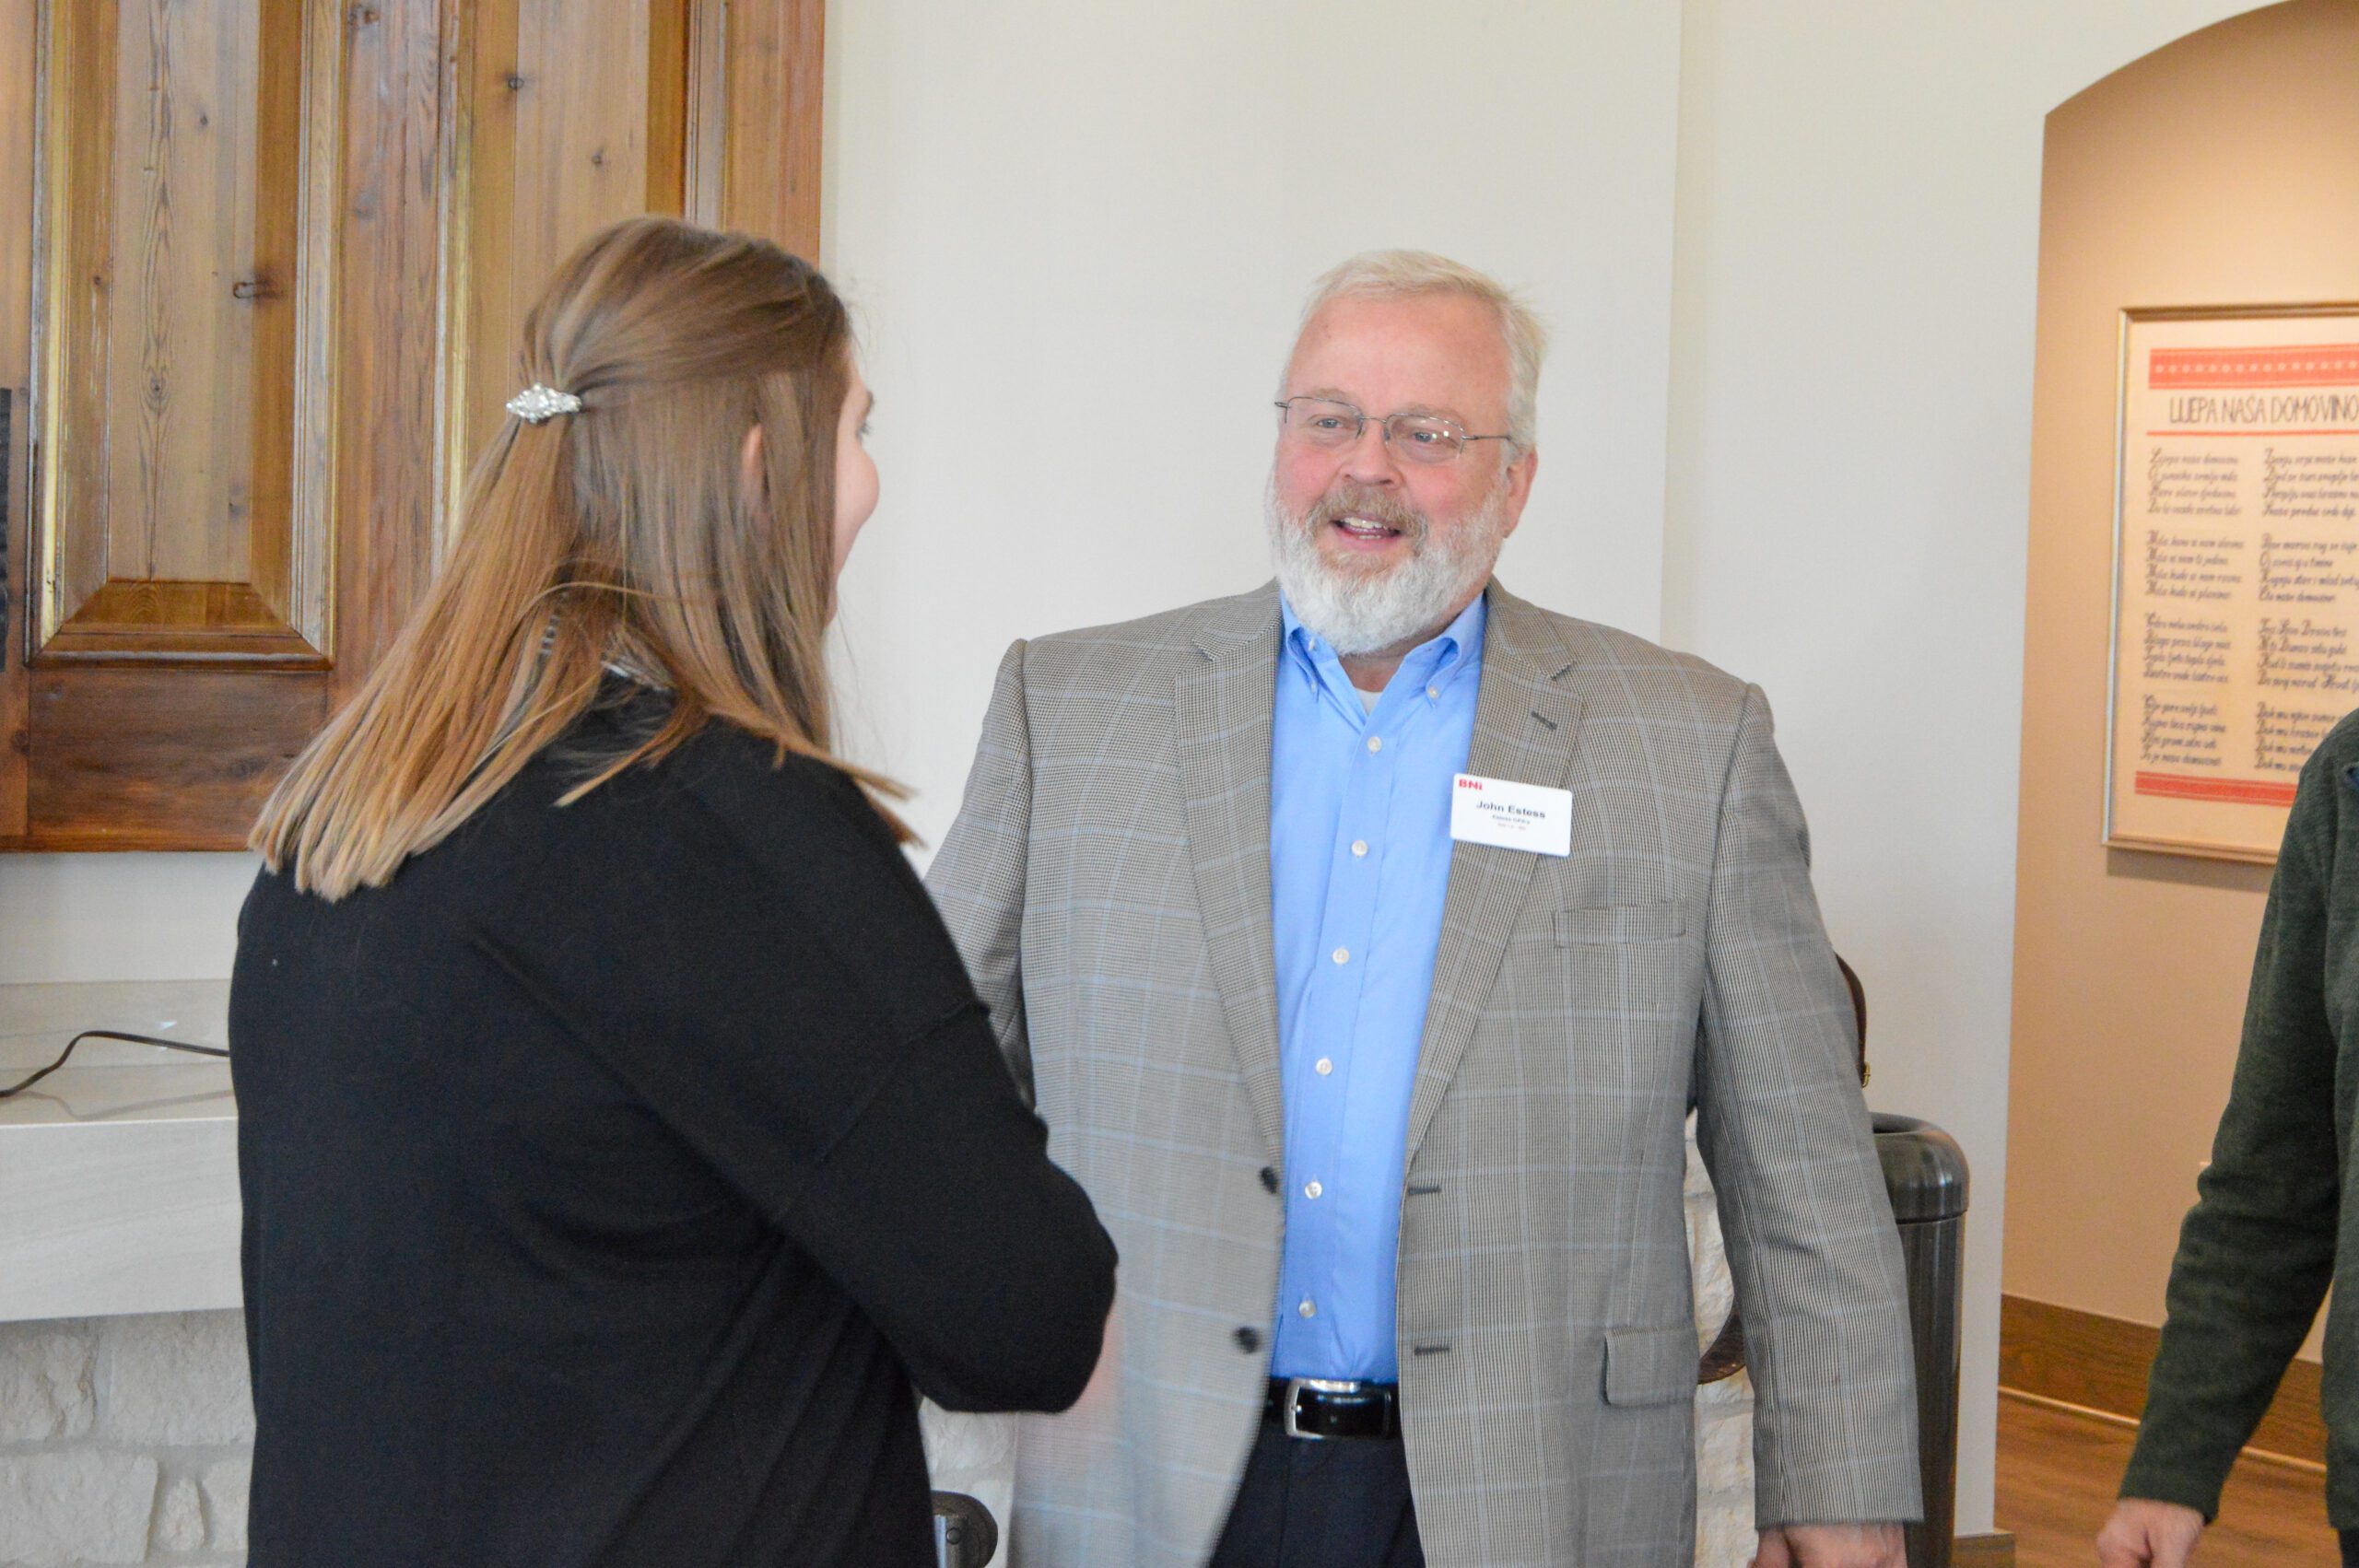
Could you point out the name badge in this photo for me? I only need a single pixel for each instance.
(1508, 815)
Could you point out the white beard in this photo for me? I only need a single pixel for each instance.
(1367, 612)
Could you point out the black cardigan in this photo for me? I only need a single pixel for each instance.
(612, 1174)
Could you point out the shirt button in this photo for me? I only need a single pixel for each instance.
(1359, 848)
(1434, 692)
(1376, 743)
(1308, 1308)
(1312, 1190)
(1324, 1067)
(1343, 955)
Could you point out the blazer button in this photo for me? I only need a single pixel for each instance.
(1269, 1179)
(1249, 1340)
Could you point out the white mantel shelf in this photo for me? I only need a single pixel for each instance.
(118, 1173)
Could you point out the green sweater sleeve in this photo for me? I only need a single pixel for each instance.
(2257, 1252)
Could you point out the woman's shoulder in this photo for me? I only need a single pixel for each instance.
(753, 785)
(797, 821)
(745, 779)
(805, 832)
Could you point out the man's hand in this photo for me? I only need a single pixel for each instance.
(2146, 1534)
(1832, 1546)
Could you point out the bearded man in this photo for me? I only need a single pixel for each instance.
(1364, 941)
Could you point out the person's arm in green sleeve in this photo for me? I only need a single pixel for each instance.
(2256, 1253)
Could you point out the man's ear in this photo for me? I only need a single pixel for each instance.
(1518, 480)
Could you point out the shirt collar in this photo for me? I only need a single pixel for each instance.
(1455, 646)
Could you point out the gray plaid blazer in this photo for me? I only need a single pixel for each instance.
(1109, 883)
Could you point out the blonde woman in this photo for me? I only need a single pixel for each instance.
(620, 1137)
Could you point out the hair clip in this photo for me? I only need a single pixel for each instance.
(536, 404)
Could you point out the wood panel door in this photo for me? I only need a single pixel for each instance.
(263, 265)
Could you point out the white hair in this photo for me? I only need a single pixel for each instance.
(1397, 272)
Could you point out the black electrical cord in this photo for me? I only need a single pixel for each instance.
(108, 1035)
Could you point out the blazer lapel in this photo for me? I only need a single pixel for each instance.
(1221, 721)
(1524, 727)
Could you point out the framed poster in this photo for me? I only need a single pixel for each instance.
(2235, 572)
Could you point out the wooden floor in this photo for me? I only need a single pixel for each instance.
(2058, 1471)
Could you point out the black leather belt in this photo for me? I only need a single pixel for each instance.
(1323, 1408)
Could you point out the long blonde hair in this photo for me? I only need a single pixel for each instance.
(623, 534)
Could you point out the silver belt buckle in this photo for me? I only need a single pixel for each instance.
(1291, 1417)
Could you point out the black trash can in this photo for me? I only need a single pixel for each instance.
(1924, 1172)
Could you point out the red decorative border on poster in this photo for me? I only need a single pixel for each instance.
(2326, 364)
(2251, 791)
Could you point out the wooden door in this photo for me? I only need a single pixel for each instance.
(261, 268)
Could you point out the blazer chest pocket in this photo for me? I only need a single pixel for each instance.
(1650, 1366)
(1619, 923)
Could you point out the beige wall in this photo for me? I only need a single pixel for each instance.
(2223, 169)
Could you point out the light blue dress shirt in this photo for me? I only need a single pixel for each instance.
(1359, 867)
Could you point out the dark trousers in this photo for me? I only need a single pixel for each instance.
(2349, 1548)
(1341, 1503)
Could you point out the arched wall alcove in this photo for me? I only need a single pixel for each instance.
(2221, 169)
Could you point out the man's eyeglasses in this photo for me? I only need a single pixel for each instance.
(1414, 437)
